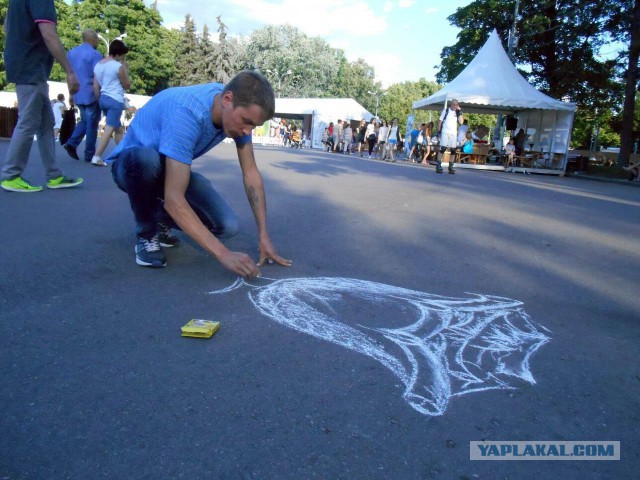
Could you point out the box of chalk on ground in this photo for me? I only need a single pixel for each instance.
(200, 328)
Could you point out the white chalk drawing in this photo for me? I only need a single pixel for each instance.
(439, 347)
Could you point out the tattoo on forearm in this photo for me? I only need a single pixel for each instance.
(252, 196)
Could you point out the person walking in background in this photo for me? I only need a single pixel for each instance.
(382, 139)
(393, 138)
(347, 137)
(450, 118)
(59, 108)
(337, 135)
(325, 139)
(31, 45)
(427, 132)
(111, 79)
(370, 135)
(361, 137)
(83, 59)
(413, 144)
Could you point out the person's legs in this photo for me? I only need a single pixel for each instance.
(139, 172)
(46, 140)
(118, 134)
(79, 132)
(92, 113)
(105, 138)
(36, 117)
(113, 111)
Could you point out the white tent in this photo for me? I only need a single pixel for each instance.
(317, 113)
(491, 84)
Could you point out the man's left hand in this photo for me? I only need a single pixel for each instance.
(268, 254)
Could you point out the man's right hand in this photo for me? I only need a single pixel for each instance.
(239, 263)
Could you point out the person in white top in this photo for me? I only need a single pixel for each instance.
(347, 137)
(383, 132)
(59, 108)
(111, 79)
(393, 137)
(448, 126)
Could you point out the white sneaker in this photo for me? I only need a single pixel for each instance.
(96, 160)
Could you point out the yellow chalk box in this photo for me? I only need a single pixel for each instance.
(200, 328)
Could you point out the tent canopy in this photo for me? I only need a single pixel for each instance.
(492, 84)
(336, 108)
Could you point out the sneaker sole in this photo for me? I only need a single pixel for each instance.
(147, 264)
(169, 245)
(20, 190)
(66, 185)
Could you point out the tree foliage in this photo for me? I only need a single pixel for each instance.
(4, 4)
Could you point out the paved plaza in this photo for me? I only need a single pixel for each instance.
(422, 312)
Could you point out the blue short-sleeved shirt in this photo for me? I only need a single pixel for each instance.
(27, 59)
(177, 123)
(83, 59)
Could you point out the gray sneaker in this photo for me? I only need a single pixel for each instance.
(149, 253)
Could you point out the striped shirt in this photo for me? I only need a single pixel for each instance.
(177, 123)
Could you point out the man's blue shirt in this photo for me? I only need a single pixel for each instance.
(177, 123)
(83, 58)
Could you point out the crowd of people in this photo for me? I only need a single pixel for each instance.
(287, 134)
(377, 137)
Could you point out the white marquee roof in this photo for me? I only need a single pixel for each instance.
(340, 108)
(491, 84)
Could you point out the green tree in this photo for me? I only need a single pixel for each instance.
(355, 80)
(152, 48)
(625, 26)
(226, 58)
(558, 42)
(275, 50)
(4, 4)
(207, 54)
(187, 61)
(399, 98)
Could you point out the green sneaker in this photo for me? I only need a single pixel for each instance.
(64, 182)
(19, 184)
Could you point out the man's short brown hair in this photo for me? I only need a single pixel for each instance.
(251, 88)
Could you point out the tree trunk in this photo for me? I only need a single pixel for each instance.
(626, 139)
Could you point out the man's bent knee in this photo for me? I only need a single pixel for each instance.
(229, 228)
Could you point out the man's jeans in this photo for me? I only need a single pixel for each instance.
(139, 171)
(88, 125)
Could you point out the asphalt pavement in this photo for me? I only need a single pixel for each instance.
(315, 374)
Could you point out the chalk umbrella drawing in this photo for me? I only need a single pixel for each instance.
(439, 347)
